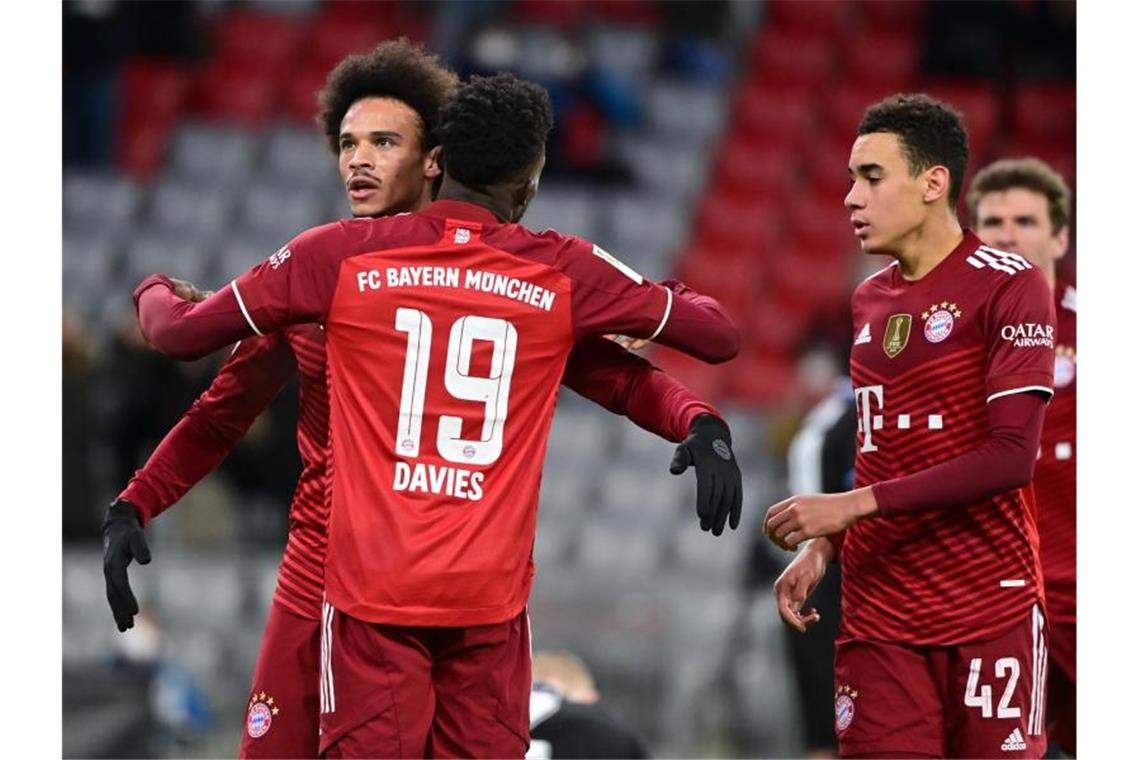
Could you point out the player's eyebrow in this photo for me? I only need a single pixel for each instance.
(1025, 219)
(865, 169)
(377, 135)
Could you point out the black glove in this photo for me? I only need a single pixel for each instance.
(123, 540)
(719, 492)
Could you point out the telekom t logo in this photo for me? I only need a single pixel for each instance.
(867, 419)
(868, 400)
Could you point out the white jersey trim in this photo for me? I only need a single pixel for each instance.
(1027, 388)
(244, 311)
(664, 319)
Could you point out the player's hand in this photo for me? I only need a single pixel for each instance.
(799, 580)
(123, 540)
(628, 343)
(719, 491)
(188, 291)
(798, 518)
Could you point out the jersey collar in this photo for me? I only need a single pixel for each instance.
(468, 212)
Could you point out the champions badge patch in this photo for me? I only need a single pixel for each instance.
(260, 715)
(939, 321)
(845, 698)
(896, 335)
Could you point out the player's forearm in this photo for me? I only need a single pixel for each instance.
(699, 326)
(1003, 463)
(185, 330)
(184, 456)
(626, 384)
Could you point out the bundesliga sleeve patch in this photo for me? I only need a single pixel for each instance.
(605, 256)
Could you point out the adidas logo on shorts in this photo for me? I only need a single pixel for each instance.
(1015, 742)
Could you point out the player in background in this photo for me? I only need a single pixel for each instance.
(378, 113)
(565, 718)
(942, 648)
(1022, 206)
(438, 457)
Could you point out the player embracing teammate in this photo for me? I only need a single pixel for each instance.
(942, 649)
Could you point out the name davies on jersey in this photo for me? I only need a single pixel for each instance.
(1028, 334)
(438, 479)
(451, 277)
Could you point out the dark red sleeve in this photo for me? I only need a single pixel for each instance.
(294, 285)
(626, 384)
(609, 297)
(1021, 329)
(1004, 462)
(245, 385)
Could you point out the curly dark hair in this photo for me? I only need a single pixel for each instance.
(394, 69)
(494, 129)
(930, 132)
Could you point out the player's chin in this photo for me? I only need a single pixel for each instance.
(369, 207)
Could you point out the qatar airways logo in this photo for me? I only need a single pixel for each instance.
(1028, 334)
(868, 401)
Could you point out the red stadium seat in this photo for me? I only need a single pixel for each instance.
(844, 109)
(235, 93)
(979, 106)
(154, 95)
(259, 39)
(791, 58)
(300, 98)
(755, 169)
(1045, 111)
(334, 36)
(827, 17)
(882, 60)
(827, 169)
(892, 15)
(761, 379)
(783, 117)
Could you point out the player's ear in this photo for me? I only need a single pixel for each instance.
(432, 168)
(937, 183)
(1061, 240)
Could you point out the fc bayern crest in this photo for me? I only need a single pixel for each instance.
(939, 321)
(845, 707)
(259, 718)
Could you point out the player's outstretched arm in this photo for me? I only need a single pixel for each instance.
(185, 330)
(244, 386)
(1003, 462)
(612, 377)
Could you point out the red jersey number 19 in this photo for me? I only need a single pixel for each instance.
(493, 391)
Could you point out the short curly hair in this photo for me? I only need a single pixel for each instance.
(494, 129)
(396, 69)
(1030, 174)
(930, 132)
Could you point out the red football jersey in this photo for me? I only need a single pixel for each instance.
(1055, 477)
(927, 357)
(447, 335)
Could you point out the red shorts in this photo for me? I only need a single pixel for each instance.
(401, 691)
(1062, 709)
(984, 699)
(283, 712)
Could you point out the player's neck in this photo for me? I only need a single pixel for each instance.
(451, 190)
(927, 246)
(1050, 272)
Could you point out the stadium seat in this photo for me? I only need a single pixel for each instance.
(665, 168)
(827, 172)
(210, 154)
(749, 168)
(295, 155)
(178, 255)
(684, 111)
(1045, 112)
(891, 15)
(844, 107)
(881, 60)
(630, 52)
(184, 207)
(639, 226)
(278, 212)
(93, 202)
(257, 38)
(823, 17)
(781, 116)
(792, 59)
(154, 95)
(237, 93)
(570, 211)
(761, 380)
(618, 549)
(334, 35)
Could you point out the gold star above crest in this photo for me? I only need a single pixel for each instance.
(945, 305)
(275, 711)
(261, 695)
(925, 315)
(269, 701)
(854, 693)
(955, 310)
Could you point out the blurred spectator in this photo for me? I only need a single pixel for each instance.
(96, 40)
(80, 516)
(565, 719)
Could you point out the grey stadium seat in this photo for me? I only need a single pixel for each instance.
(211, 154)
(570, 211)
(181, 207)
(98, 202)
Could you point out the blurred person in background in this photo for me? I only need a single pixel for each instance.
(1022, 206)
(565, 718)
(942, 636)
(255, 373)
